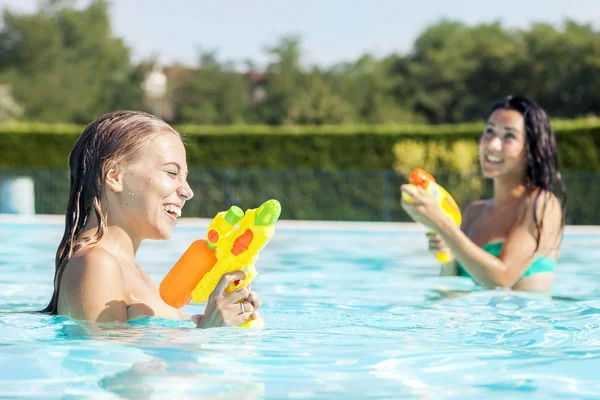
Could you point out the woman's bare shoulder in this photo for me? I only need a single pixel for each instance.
(92, 286)
(94, 262)
(547, 202)
(545, 206)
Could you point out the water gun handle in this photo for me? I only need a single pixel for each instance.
(420, 177)
(441, 256)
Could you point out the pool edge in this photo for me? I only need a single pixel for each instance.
(46, 219)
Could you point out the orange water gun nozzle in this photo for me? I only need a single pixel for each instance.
(420, 177)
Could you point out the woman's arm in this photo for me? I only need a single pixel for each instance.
(488, 270)
(93, 290)
(517, 253)
(519, 250)
(437, 244)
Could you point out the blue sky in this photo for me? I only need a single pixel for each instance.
(332, 30)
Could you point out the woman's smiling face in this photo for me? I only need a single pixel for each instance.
(502, 150)
(155, 188)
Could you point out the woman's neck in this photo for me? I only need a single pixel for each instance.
(115, 240)
(507, 190)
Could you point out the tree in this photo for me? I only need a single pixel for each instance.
(215, 93)
(563, 69)
(373, 88)
(317, 105)
(286, 81)
(460, 69)
(64, 64)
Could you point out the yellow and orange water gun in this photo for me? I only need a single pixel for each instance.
(225, 249)
(424, 179)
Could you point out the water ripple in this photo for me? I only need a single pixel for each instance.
(358, 315)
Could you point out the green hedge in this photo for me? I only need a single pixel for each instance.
(451, 148)
(349, 173)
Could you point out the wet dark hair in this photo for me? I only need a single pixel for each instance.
(120, 136)
(542, 156)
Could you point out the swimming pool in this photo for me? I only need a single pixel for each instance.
(351, 311)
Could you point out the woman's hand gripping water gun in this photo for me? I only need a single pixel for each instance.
(239, 251)
(426, 202)
(197, 273)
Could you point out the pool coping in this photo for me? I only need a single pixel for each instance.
(45, 219)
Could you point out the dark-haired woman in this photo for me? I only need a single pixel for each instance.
(511, 240)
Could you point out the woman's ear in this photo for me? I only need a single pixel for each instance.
(114, 177)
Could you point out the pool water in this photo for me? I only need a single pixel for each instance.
(349, 312)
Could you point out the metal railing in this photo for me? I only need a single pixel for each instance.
(341, 195)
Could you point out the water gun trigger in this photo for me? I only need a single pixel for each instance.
(250, 272)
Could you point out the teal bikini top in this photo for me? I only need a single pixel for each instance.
(540, 264)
